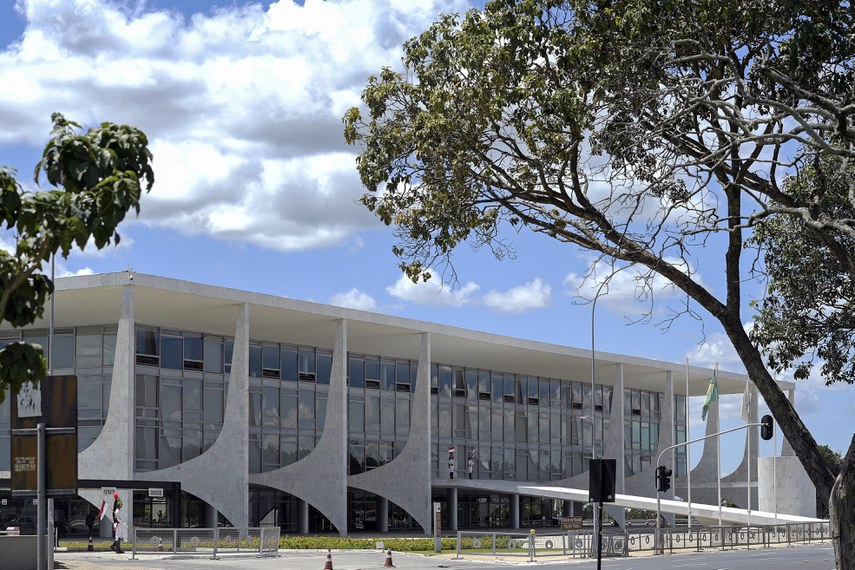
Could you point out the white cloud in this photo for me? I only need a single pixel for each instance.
(629, 291)
(61, 271)
(354, 299)
(433, 292)
(716, 349)
(532, 295)
(242, 105)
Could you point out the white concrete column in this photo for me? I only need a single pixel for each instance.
(515, 511)
(302, 517)
(211, 516)
(111, 456)
(617, 420)
(452, 509)
(382, 514)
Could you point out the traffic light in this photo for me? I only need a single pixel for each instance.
(766, 427)
(663, 478)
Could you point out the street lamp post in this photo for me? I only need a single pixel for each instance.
(598, 522)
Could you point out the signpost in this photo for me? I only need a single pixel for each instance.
(44, 446)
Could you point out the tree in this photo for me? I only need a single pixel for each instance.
(797, 329)
(646, 131)
(96, 178)
(834, 462)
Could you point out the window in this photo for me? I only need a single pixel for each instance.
(289, 364)
(402, 376)
(172, 351)
(387, 374)
(148, 342)
(324, 367)
(356, 372)
(307, 364)
(255, 360)
(193, 348)
(270, 360)
(213, 355)
(63, 349)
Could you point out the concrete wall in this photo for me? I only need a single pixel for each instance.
(795, 493)
(18, 552)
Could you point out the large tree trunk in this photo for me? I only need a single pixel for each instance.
(841, 512)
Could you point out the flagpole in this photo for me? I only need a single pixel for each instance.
(718, 452)
(775, 477)
(749, 453)
(688, 452)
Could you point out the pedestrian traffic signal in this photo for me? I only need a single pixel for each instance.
(663, 478)
(766, 427)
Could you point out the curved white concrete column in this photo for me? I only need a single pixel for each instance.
(733, 486)
(406, 480)
(219, 475)
(111, 455)
(320, 478)
(704, 475)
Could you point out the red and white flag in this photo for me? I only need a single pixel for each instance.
(101, 513)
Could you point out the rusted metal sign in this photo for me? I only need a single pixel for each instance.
(54, 403)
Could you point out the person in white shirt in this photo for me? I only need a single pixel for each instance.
(120, 526)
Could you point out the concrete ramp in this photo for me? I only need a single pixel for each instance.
(699, 510)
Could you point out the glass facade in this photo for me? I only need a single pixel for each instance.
(87, 352)
(181, 384)
(379, 404)
(514, 426)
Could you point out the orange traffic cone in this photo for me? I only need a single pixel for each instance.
(388, 562)
(328, 563)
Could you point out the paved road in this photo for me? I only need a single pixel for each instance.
(815, 557)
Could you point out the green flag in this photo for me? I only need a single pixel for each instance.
(712, 396)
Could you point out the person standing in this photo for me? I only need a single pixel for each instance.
(119, 526)
(470, 465)
(90, 522)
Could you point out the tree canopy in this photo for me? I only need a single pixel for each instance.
(95, 179)
(808, 313)
(642, 130)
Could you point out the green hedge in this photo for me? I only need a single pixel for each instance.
(349, 543)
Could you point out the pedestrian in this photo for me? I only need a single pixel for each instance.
(470, 465)
(113, 511)
(120, 527)
(451, 466)
(90, 522)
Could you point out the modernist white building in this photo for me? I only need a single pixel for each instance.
(255, 409)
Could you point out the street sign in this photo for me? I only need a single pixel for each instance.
(155, 492)
(52, 402)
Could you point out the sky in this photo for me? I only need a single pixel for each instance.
(256, 189)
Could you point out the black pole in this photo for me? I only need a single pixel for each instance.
(600, 537)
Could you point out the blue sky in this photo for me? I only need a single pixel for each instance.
(256, 189)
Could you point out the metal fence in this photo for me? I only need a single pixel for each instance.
(262, 541)
(569, 544)
(579, 544)
(734, 536)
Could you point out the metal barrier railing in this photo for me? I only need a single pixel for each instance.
(263, 541)
(579, 544)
